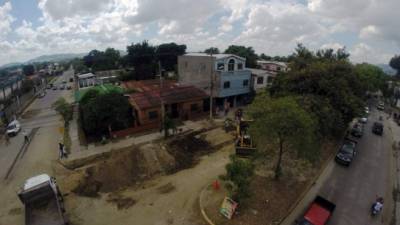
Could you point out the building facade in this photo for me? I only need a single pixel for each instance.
(225, 73)
(272, 66)
(261, 79)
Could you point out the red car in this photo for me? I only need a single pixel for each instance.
(318, 213)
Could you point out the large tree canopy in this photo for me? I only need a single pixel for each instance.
(245, 52)
(28, 70)
(168, 54)
(328, 85)
(101, 113)
(212, 50)
(283, 125)
(395, 63)
(142, 56)
(98, 60)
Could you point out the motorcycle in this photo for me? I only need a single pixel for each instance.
(376, 207)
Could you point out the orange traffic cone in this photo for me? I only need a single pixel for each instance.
(216, 185)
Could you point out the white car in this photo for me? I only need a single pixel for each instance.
(363, 120)
(13, 128)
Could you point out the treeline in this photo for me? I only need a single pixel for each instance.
(315, 100)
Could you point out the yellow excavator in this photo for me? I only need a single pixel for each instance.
(244, 145)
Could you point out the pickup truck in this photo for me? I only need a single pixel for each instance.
(318, 213)
(43, 201)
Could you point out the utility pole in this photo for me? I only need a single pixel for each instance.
(211, 85)
(161, 98)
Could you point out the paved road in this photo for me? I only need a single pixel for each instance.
(354, 189)
(38, 114)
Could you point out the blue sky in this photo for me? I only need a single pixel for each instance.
(29, 28)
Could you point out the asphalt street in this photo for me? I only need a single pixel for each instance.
(353, 189)
(38, 115)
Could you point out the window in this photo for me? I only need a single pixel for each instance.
(231, 65)
(153, 115)
(278, 68)
(269, 80)
(220, 66)
(245, 83)
(240, 66)
(227, 84)
(260, 80)
(194, 107)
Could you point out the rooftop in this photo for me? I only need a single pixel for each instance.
(272, 62)
(102, 89)
(217, 56)
(149, 94)
(86, 75)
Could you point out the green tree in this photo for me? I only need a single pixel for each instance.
(265, 57)
(212, 50)
(28, 70)
(64, 109)
(245, 52)
(395, 64)
(98, 60)
(102, 113)
(168, 54)
(79, 66)
(142, 56)
(372, 77)
(239, 172)
(284, 125)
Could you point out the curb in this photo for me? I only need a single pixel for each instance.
(203, 212)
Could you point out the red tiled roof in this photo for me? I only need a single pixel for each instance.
(149, 93)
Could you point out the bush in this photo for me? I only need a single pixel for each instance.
(239, 173)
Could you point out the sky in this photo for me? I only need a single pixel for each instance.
(369, 29)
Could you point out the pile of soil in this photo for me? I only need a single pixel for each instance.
(120, 201)
(187, 149)
(120, 170)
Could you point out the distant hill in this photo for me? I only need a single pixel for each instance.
(387, 69)
(55, 57)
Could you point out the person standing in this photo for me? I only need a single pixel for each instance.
(26, 138)
(61, 149)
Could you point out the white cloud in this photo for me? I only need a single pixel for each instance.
(5, 19)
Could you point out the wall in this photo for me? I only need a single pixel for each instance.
(264, 84)
(196, 71)
(236, 79)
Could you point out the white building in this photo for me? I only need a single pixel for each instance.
(260, 79)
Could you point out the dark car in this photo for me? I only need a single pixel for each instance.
(357, 130)
(346, 153)
(377, 128)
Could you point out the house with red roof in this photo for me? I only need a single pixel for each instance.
(180, 101)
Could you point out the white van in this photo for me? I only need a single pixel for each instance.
(13, 128)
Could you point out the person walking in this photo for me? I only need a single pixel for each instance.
(61, 149)
(26, 138)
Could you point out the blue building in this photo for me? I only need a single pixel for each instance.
(225, 73)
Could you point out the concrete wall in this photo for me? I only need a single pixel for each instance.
(266, 77)
(236, 79)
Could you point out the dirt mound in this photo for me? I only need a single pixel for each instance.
(167, 188)
(120, 170)
(120, 201)
(187, 149)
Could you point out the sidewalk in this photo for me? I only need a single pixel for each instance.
(396, 138)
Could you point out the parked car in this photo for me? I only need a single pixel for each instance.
(357, 130)
(41, 94)
(71, 79)
(346, 153)
(13, 128)
(381, 106)
(377, 128)
(69, 87)
(318, 213)
(54, 88)
(363, 119)
(62, 87)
